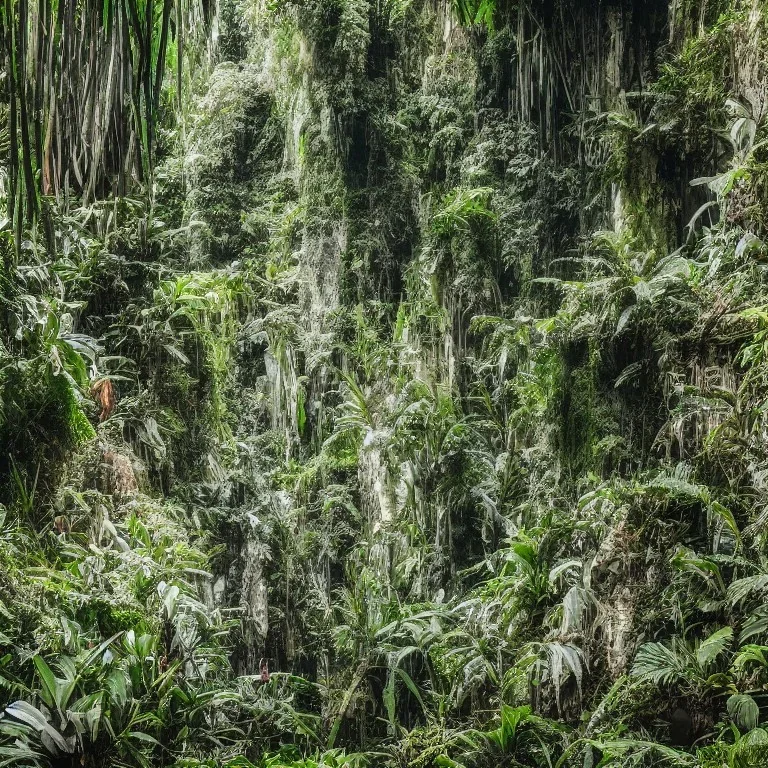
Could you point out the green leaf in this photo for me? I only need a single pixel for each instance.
(657, 663)
(26, 713)
(48, 691)
(389, 698)
(713, 646)
(743, 711)
(301, 415)
(145, 737)
(412, 687)
(726, 517)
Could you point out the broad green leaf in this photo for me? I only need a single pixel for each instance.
(744, 711)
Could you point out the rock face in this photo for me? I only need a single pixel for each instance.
(254, 598)
(377, 494)
(620, 632)
(117, 476)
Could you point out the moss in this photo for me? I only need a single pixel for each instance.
(579, 408)
(79, 427)
(233, 31)
(746, 201)
(693, 86)
(239, 140)
(45, 421)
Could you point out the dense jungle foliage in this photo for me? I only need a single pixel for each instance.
(384, 383)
